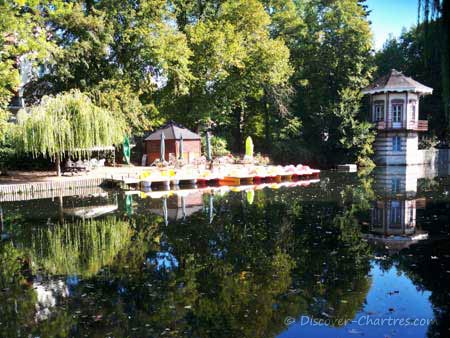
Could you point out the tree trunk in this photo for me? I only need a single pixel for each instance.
(238, 131)
(58, 164)
(1, 220)
(267, 134)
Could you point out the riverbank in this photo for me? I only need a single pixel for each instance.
(16, 177)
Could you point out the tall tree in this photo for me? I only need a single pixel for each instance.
(278, 70)
(234, 58)
(22, 39)
(440, 9)
(116, 47)
(336, 65)
(67, 124)
(418, 56)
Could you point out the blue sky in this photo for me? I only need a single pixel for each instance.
(389, 17)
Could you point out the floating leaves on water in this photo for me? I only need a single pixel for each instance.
(326, 315)
(396, 292)
(380, 258)
(355, 331)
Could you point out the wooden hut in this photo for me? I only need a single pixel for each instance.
(192, 148)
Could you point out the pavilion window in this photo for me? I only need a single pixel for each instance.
(396, 143)
(377, 217)
(378, 111)
(396, 216)
(395, 185)
(397, 110)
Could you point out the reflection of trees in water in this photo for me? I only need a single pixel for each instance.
(17, 297)
(235, 276)
(237, 267)
(80, 248)
(332, 260)
(427, 264)
(239, 276)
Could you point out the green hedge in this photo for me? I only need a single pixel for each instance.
(11, 160)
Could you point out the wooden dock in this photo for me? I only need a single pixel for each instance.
(220, 190)
(156, 182)
(139, 179)
(39, 190)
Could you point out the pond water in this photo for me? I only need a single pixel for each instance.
(350, 255)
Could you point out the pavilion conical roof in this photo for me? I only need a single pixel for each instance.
(395, 81)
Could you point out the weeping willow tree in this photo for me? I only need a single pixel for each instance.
(68, 123)
(80, 248)
(440, 9)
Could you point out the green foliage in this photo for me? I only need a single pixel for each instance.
(234, 58)
(275, 70)
(21, 33)
(11, 159)
(66, 123)
(115, 48)
(428, 142)
(418, 54)
(336, 64)
(18, 300)
(439, 12)
(120, 98)
(155, 49)
(10, 273)
(81, 248)
(195, 275)
(219, 146)
(4, 125)
(356, 136)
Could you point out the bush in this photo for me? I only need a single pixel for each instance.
(428, 142)
(219, 146)
(261, 160)
(11, 160)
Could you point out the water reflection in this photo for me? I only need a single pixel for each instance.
(182, 204)
(394, 213)
(217, 263)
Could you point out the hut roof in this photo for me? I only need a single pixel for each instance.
(173, 131)
(395, 81)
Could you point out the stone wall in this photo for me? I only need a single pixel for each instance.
(408, 155)
(433, 156)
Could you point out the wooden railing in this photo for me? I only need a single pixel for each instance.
(421, 125)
